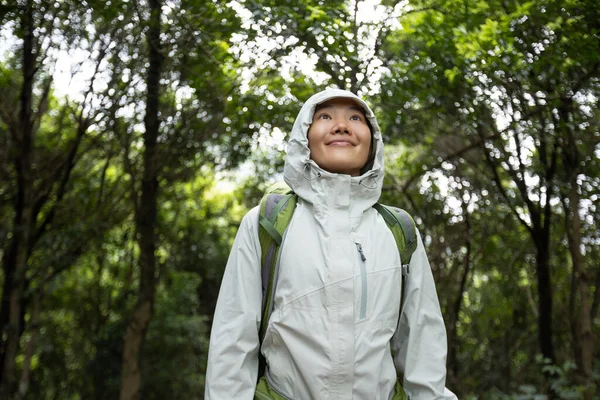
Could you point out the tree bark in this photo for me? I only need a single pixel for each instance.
(544, 283)
(15, 259)
(146, 221)
(31, 347)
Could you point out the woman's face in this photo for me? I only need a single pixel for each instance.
(339, 138)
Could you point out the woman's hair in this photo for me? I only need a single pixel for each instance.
(372, 150)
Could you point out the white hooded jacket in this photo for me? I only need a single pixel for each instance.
(334, 328)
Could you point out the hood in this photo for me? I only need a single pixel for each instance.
(316, 185)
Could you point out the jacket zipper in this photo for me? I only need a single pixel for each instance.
(363, 280)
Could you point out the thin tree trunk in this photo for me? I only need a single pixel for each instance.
(581, 314)
(15, 262)
(539, 229)
(34, 329)
(545, 306)
(131, 379)
(455, 314)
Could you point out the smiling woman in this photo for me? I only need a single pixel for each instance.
(330, 325)
(339, 137)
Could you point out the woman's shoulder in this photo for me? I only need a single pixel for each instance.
(251, 218)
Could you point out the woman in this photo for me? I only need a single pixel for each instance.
(336, 331)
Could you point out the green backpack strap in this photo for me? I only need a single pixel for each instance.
(404, 230)
(276, 209)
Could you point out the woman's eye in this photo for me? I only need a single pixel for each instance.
(324, 116)
(355, 118)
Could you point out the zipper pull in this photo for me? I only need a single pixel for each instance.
(360, 250)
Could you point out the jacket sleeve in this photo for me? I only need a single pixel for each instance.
(234, 343)
(419, 344)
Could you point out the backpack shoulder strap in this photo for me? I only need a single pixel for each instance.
(404, 230)
(276, 210)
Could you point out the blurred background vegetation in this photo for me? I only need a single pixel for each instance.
(135, 134)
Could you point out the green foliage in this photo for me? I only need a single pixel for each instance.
(561, 383)
(466, 79)
(456, 85)
(177, 341)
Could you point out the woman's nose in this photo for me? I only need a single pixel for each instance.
(340, 126)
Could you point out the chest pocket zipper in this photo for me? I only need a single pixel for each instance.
(363, 281)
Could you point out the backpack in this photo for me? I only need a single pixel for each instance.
(276, 210)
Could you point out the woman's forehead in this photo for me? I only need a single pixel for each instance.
(344, 102)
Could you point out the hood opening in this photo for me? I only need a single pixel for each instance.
(366, 112)
(298, 160)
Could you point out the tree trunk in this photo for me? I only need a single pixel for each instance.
(581, 313)
(544, 283)
(454, 315)
(539, 230)
(34, 329)
(15, 260)
(146, 215)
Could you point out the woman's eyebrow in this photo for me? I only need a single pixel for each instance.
(322, 106)
(359, 109)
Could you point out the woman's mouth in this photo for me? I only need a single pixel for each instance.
(341, 143)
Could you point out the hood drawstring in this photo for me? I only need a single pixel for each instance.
(307, 166)
(370, 179)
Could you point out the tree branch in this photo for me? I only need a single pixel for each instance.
(494, 168)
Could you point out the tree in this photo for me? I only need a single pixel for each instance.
(498, 86)
(42, 150)
(145, 217)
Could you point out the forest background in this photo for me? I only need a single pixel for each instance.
(125, 170)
